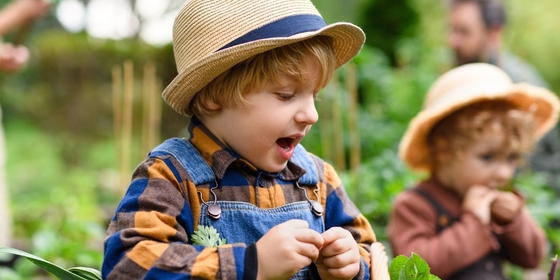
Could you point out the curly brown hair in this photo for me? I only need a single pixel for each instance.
(459, 130)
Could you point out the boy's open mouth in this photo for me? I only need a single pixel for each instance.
(286, 143)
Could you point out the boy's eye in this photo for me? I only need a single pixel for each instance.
(487, 157)
(513, 157)
(285, 96)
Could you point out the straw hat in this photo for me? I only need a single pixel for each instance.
(466, 85)
(211, 36)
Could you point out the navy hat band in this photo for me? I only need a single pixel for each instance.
(285, 27)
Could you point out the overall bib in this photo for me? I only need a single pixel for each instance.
(487, 268)
(242, 222)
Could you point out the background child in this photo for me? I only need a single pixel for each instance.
(464, 220)
(249, 73)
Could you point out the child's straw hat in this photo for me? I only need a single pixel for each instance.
(211, 36)
(466, 85)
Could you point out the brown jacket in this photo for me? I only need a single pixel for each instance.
(412, 228)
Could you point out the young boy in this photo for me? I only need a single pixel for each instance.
(249, 74)
(466, 218)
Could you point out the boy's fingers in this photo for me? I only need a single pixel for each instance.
(309, 250)
(310, 236)
(297, 223)
(334, 234)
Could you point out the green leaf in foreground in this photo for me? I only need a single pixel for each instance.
(86, 272)
(413, 268)
(553, 267)
(396, 266)
(207, 236)
(59, 272)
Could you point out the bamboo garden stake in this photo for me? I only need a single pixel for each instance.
(149, 69)
(351, 87)
(127, 123)
(338, 131)
(117, 116)
(325, 123)
(123, 108)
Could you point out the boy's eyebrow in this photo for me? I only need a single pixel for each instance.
(286, 80)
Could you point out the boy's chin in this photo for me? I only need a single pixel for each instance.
(273, 168)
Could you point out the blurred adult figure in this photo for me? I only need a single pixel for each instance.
(16, 15)
(475, 35)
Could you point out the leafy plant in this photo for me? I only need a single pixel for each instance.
(74, 273)
(413, 268)
(207, 236)
(553, 268)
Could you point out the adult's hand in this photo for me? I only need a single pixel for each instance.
(20, 13)
(31, 9)
(12, 58)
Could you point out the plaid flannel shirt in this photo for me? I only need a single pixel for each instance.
(149, 237)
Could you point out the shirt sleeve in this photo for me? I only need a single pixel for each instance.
(342, 212)
(412, 229)
(149, 236)
(523, 240)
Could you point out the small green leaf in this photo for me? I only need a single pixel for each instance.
(413, 268)
(397, 264)
(207, 236)
(417, 268)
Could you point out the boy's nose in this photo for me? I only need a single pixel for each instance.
(504, 173)
(308, 112)
(454, 40)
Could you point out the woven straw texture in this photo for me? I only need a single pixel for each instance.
(379, 268)
(466, 85)
(203, 27)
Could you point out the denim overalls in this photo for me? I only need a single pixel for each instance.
(487, 268)
(242, 222)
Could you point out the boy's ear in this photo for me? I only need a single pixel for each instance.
(442, 151)
(213, 106)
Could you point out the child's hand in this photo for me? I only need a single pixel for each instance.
(505, 207)
(339, 258)
(478, 200)
(287, 248)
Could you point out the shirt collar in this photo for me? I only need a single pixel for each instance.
(219, 157)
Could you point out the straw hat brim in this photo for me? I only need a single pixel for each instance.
(348, 39)
(544, 105)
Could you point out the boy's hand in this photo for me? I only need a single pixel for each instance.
(339, 258)
(478, 200)
(505, 207)
(287, 248)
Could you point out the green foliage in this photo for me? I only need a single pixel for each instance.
(553, 267)
(544, 205)
(207, 236)
(75, 273)
(58, 208)
(413, 268)
(386, 23)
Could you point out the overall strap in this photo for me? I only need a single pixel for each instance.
(304, 160)
(444, 218)
(189, 157)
